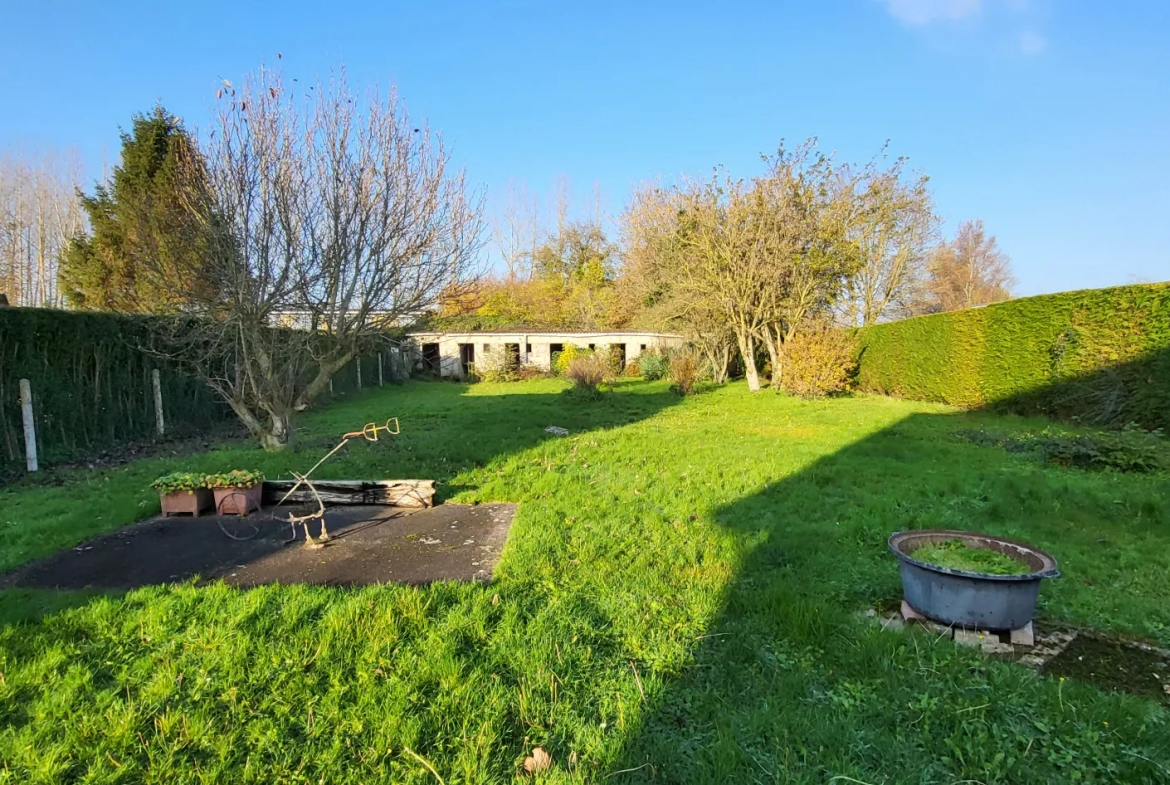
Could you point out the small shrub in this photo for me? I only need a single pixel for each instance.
(819, 360)
(633, 368)
(179, 481)
(684, 372)
(564, 359)
(237, 478)
(526, 372)
(587, 371)
(652, 364)
(616, 358)
(504, 367)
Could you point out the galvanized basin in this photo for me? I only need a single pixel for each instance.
(971, 599)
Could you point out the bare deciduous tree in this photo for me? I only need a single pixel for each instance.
(39, 215)
(970, 270)
(515, 230)
(892, 223)
(333, 217)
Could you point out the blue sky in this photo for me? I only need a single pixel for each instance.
(1049, 119)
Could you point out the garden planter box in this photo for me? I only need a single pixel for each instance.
(238, 501)
(186, 502)
(971, 600)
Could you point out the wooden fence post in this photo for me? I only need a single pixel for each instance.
(30, 434)
(156, 386)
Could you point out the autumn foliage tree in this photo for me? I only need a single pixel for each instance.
(969, 270)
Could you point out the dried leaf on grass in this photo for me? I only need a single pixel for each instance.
(539, 760)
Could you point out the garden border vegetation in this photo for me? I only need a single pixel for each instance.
(91, 384)
(1100, 356)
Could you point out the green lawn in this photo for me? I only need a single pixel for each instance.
(678, 602)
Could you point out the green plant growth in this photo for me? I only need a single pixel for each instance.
(564, 358)
(180, 481)
(142, 236)
(653, 364)
(959, 555)
(1100, 356)
(91, 385)
(236, 478)
(1127, 450)
(682, 586)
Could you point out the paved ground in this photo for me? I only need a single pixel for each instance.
(370, 545)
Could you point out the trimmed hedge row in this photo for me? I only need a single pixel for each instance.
(1100, 356)
(91, 385)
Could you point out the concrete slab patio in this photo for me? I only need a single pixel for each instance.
(370, 545)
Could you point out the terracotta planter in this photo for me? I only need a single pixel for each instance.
(186, 502)
(238, 501)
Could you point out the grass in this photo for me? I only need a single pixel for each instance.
(958, 555)
(678, 601)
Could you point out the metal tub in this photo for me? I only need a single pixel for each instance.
(971, 600)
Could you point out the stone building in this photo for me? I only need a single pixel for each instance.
(454, 354)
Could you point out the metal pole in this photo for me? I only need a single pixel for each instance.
(30, 434)
(156, 385)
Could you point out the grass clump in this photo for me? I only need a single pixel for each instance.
(959, 555)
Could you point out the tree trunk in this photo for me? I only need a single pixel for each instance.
(777, 380)
(274, 435)
(747, 349)
(279, 433)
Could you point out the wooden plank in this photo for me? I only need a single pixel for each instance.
(394, 493)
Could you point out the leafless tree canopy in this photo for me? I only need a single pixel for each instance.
(39, 214)
(332, 215)
(892, 223)
(970, 270)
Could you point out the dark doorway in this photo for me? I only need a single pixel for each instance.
(511, 356)
(466, 358)
(554, 351)
(430, 358)
(617, 357)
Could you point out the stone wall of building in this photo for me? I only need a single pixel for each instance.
(447, 353)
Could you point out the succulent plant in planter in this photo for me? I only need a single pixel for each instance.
(183, 493)
(236, 492)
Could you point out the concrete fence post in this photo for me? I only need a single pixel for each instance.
(358, 360)
(156, 387)
(30, 433)
(380, 378)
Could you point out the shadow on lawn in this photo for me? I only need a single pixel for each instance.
(446, 430)
(788, 684)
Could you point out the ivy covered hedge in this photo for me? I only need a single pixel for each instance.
(91, 385)
(1100, 356)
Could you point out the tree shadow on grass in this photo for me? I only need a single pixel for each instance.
(792, 684)
(449, 432)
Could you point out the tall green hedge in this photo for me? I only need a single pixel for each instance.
(90, 383)
(1100, 355)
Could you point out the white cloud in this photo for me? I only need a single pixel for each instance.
(917, 13)
(1032, 43)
